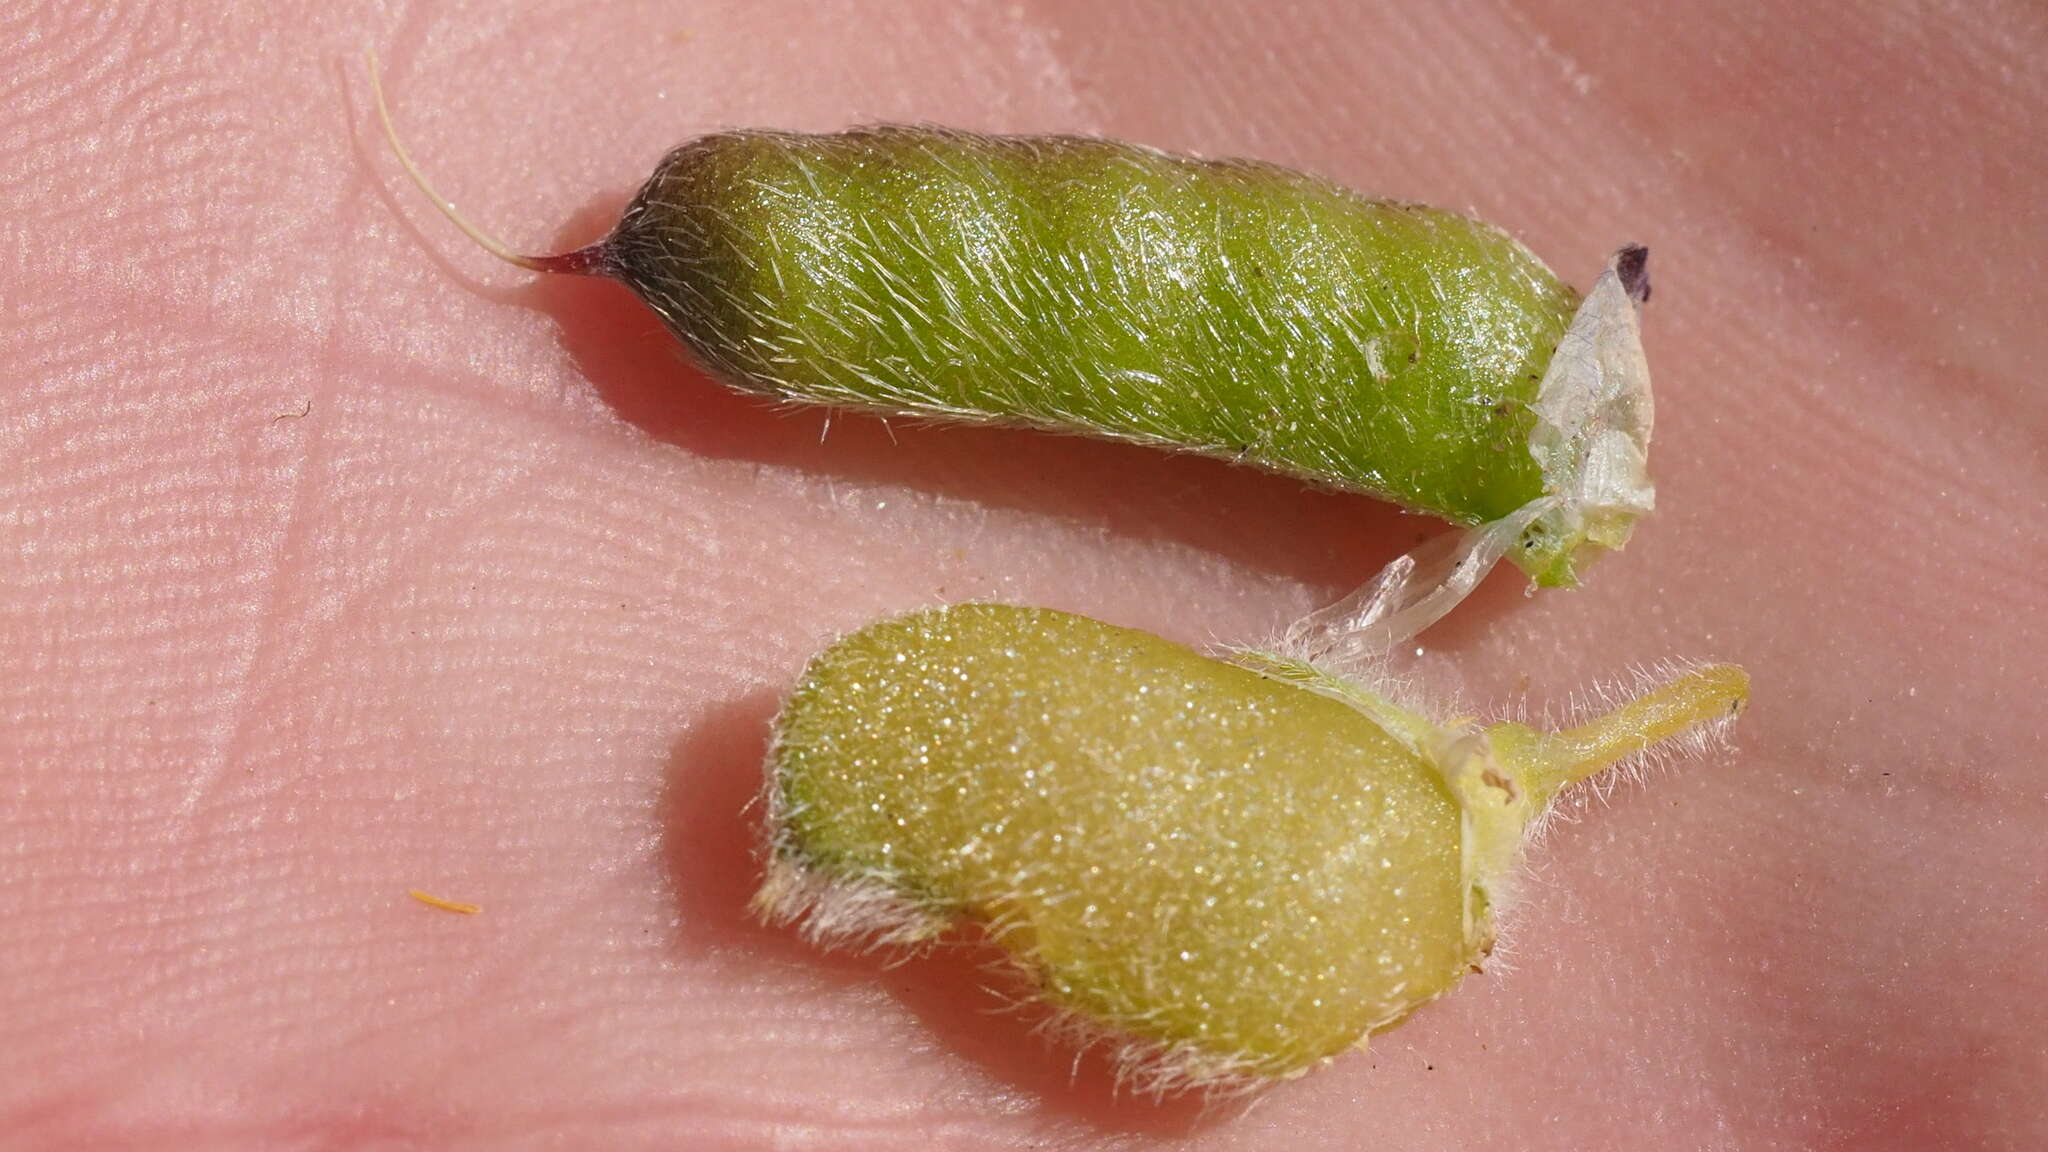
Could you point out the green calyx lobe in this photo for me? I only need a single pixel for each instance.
(1246, 866)
(1232, 309)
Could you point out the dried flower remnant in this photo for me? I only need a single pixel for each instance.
(432, 901)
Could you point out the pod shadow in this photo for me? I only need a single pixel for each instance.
(956, 992)
(1270, 523)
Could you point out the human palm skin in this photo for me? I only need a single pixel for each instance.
(336, 560)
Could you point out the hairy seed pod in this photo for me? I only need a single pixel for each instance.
(1227, 308)
(1232, 869)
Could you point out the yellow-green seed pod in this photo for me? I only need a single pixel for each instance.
(1229, 308)
(1234, 868)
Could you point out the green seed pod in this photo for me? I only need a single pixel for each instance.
(1226, 308)
(1232, 869)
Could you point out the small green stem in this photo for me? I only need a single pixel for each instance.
(1702, 696)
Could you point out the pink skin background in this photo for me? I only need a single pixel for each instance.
(337, 559)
